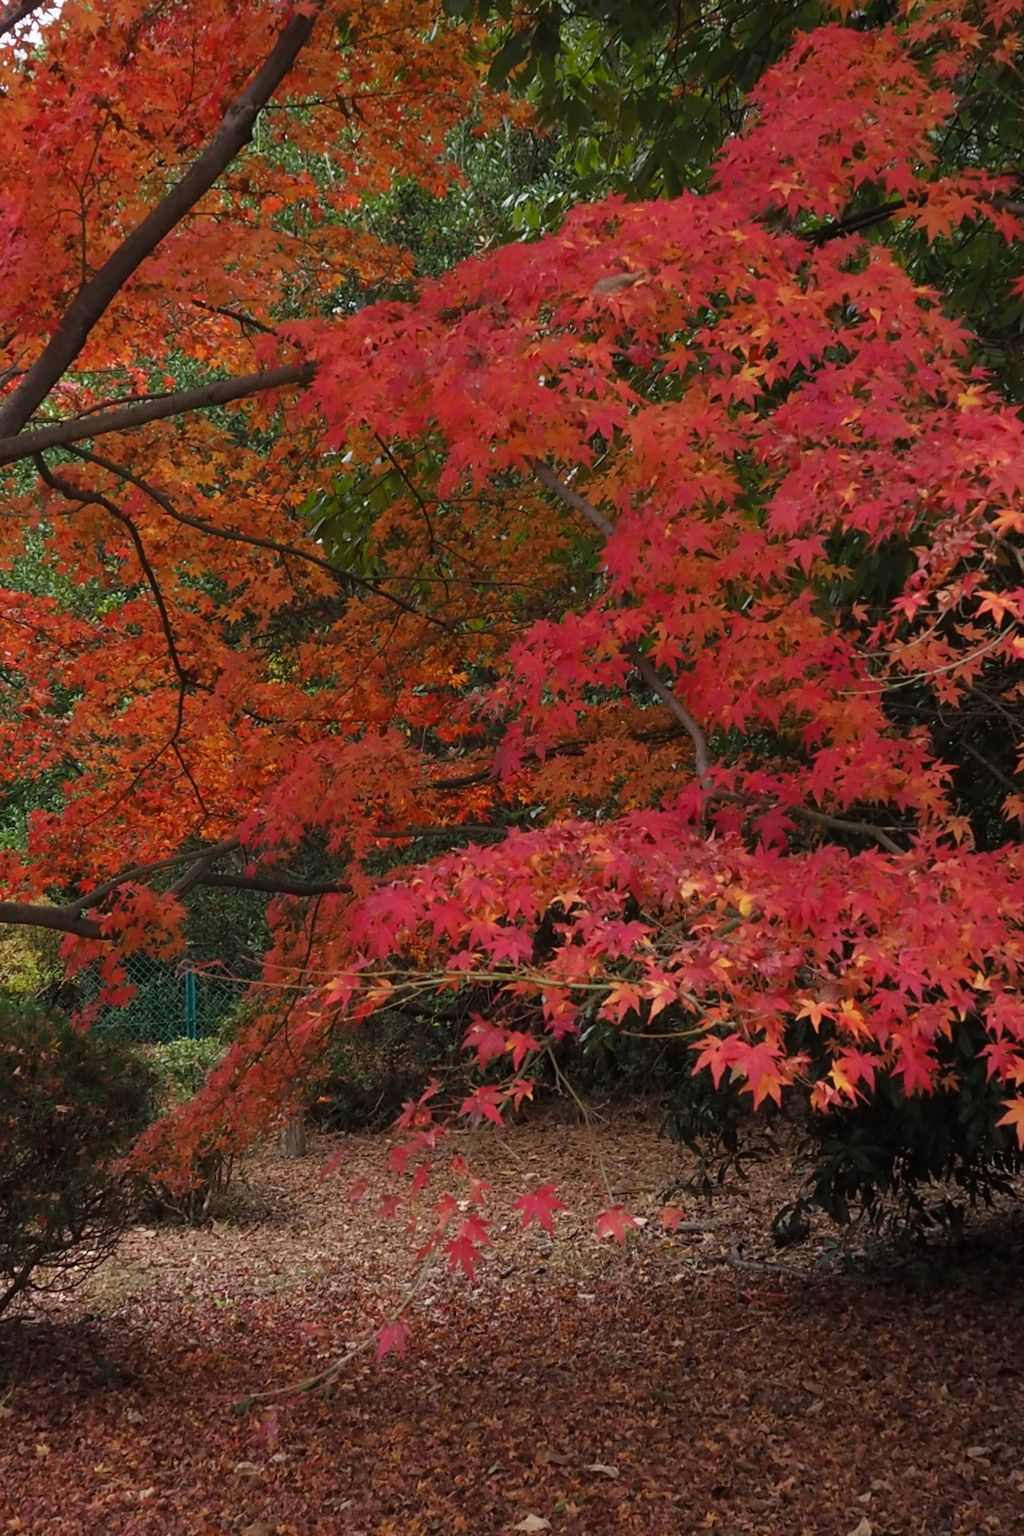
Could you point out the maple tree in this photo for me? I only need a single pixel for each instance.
(606, 558)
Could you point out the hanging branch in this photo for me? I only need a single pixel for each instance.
(645, 669)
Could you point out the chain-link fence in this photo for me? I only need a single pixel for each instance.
(172, 999)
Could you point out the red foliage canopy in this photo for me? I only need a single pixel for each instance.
(605, 589)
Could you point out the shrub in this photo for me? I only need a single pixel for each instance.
(368, 1072)
(70, 1103)
(921, 1158)
(182, 1066)
(906, 1162)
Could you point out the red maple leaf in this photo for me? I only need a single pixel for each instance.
(540, 1206)
(614, 1222)
(392, 1336)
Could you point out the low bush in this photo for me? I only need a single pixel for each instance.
(182, 1066)
(901, 1162)
(70, 1103)
(916, 1159)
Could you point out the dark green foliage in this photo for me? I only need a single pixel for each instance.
(904, 1162)
(886, 1157)
(369, 1072)
(70, 1102)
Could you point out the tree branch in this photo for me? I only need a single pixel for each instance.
(32, 915)
(854, 222)
(640, 662)
(650, 676)
(143, 871)
(276, 546)
(274, 885)
(18, 10)
(842, 824)
(649, 673)
(59, 434)
(83, 497)
(572, 498)
(95, 296)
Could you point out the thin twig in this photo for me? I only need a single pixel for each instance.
(333, 1370)
(164, 502)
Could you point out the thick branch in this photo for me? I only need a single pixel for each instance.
(854, 222)
(17, 11)
(143, 871)
(156, 408)
(32, 915)
(572, 498)
(842, 824)
(275, 885)
(93, 299)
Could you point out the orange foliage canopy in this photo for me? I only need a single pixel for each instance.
(603, 608)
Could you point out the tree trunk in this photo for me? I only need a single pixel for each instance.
(292, 1136)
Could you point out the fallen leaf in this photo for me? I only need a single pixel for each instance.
(862, 1528)
(617, 282)
(600, 1466)
(533, 1523)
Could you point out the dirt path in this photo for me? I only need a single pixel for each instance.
(663, 1389)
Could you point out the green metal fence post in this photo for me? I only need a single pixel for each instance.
(190, 1003)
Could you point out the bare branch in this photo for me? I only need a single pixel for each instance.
(143, 871)
(841, 824)
(572, 498)
(854, 222)
(59, 434)
(72, 492)
(247, 322)
(274, 885)
(95, 296)
(997, 773)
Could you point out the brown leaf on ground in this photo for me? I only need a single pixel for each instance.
(756, 1403)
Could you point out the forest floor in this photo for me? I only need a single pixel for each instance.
(683, 1383)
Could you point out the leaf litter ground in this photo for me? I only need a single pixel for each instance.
(681, 1385)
